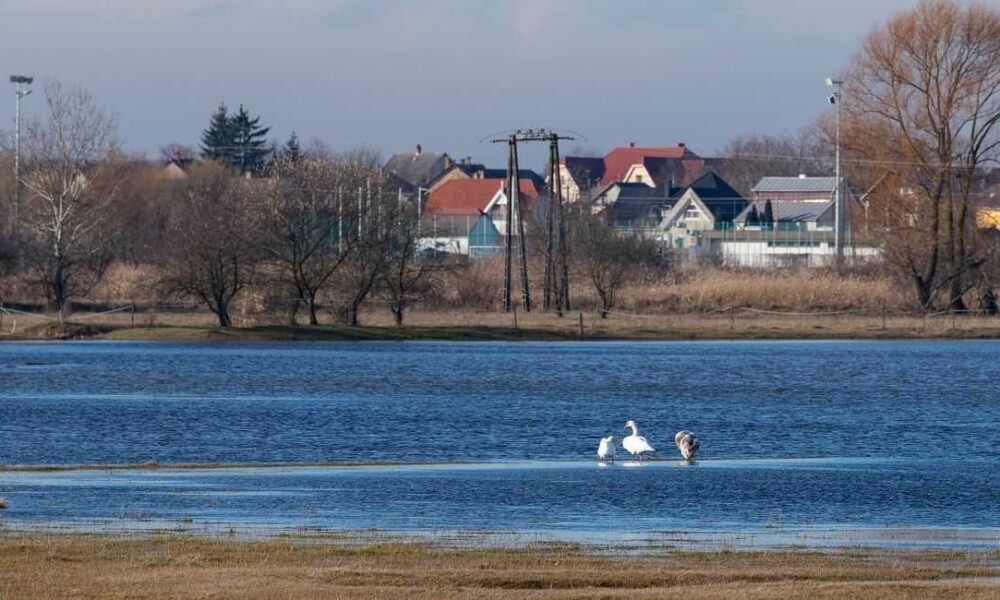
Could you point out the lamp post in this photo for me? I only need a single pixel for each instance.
(838, 229)
(19, 93)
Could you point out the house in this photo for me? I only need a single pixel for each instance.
(466, 169)
(707, 204)
(577, 174)
(789, 215)
(632, 205)
(417, 169)
(653, 166)
(802, 232)
(453, 210)
(484, 239)
(803, 188)
(780, 189)
(656, 171)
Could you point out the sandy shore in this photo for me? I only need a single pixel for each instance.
(91, 566)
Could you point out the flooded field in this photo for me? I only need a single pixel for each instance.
(814, 444)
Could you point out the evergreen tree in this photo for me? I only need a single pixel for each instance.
(753, 218)
(249, 142)
(768, 216)
(217, 140)
(292, 150)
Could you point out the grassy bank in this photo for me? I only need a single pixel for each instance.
(35, 566)
(465, 325)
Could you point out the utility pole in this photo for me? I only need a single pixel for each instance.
(509, 229)
(838, 202)
(555, 268)
(556, 264)
(514, 216)
(19, 93)
(515, 202)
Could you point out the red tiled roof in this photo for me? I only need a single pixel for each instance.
(470, 196)
(620, 160)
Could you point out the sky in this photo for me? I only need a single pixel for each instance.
(388, 74)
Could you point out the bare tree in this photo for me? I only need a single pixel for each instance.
(367, 260)
(922, 99)
(609, 257)
(407, 271)
(747, 158)
(70, 175)
(307, 226)
(210, 251)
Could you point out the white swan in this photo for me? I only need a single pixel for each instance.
(635, 443)
(606, 449)
(687, 444)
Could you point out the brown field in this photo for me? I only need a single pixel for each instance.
(475, 325)
(34, 566)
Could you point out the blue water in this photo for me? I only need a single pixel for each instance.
(794, 434)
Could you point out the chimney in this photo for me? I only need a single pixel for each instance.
(468, 160)
(681, 145)
(419, 150)
(631, 144)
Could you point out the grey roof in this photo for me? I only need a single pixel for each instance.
(796, 184)
(793, 211)
(418, 170)
(630, 202)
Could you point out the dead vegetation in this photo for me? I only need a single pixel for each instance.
(171, 567)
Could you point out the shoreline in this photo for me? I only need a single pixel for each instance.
(486, 327)
(172, 566)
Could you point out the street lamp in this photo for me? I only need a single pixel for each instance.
(838, 239)
(19, 93)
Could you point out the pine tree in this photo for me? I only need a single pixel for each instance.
(292, 150)
(768, 216)
(217, 140)
(249, 142)
(753, 218)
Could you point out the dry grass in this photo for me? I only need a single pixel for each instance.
(126, 284)
(35, 566)
(799, 290)
(694, 303)
(696, 289)
(493, 325)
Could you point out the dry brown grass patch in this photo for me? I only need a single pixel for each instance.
(173, 567)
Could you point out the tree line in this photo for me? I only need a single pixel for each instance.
(921, 125)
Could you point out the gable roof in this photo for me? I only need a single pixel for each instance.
(418, 169)
(720, 198)
(660, 163)
(618, 161)
(825, 185)
(792, 211)
(630, 202)
(471, 196)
